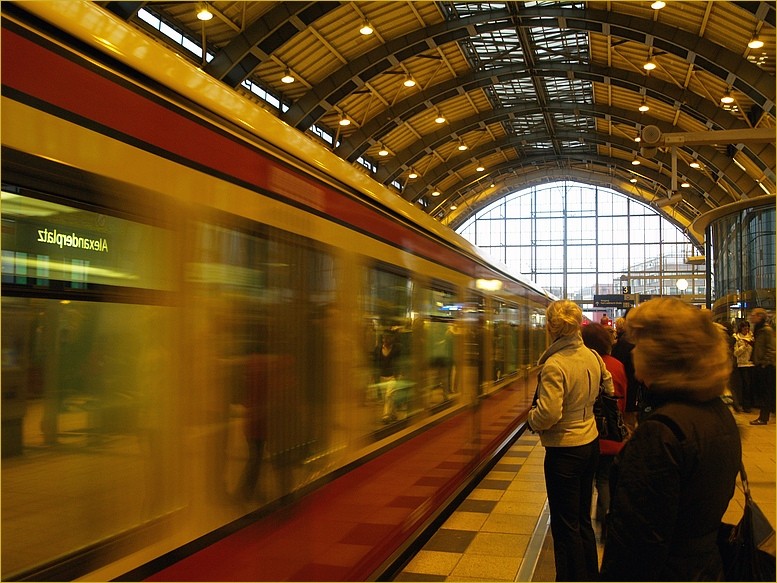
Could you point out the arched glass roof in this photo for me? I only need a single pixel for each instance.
(579, 241)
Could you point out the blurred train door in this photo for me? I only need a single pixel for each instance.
(474, 321)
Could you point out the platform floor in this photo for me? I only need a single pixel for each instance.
(500, 531)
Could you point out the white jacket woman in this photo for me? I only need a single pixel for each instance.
(563, 417)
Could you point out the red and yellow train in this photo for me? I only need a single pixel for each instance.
(194, 298)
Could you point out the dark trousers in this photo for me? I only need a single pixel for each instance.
(764, 382)
(745, 387)
(569, 478)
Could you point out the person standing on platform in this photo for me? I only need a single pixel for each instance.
(621, 351)
(763, 362)
(674, 478)
(597, 337)
(743, 351)
(563, 417)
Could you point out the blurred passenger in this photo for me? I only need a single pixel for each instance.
(763, 361)
(675, 476)
(257, 372)
(597, 337)
(743, 351)
(563, 417)
(442, 360)
(621, 351)
(730, 395)
(387, 365)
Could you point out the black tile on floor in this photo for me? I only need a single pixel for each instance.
(484, 506)
(494, 484)
(450, 541)
(507, 467)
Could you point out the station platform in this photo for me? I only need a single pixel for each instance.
(501, 532)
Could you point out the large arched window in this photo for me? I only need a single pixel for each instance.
(578, 241)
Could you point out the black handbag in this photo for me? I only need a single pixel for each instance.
(609, 420)
(748, 548)
(607, 414)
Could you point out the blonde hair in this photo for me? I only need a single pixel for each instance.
(678, 349)
(563, 318)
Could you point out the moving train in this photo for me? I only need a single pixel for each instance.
(226, 353)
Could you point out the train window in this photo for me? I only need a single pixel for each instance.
(506, 340)
(391, 393)
(88, 376)
(267, 301)
(539, 339)
(437, 318)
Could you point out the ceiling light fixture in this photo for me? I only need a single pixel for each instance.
(633, 180)
(440, 118)
(454, 207)
(644, 107)
(287, 77)
(685, 185)
(383, 151)
(480, 168)
(638, 139)
(649, 65)
(204, 13)
(658, 5)
(695, 164)
(727, 98)
(409, 81)
(344, 121)
(462, 146)
(435, 193)
(366, 28)
(413, 174)
(755, 43)
(635, 162)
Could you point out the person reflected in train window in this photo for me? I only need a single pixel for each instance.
(563, 417)
(387, 356)
(441, 361)
(675, 477)
(257, 371)
(597, 337)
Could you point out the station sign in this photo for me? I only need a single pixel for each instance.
(621, 301)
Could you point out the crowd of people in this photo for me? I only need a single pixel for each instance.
(662, 492)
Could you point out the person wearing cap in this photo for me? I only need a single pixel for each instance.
(763, 361)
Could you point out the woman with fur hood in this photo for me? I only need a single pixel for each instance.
(673, 480)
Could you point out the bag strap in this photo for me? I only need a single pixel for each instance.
(601, 369)
(745, 483)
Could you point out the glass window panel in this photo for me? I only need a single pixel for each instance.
(637, 229)
(583, 221)
(620, 206)
(621, 228)
(605, 230)
(652, 229)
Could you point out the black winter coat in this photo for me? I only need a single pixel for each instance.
(671, 485)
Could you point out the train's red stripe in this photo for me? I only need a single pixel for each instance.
(52, 78)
